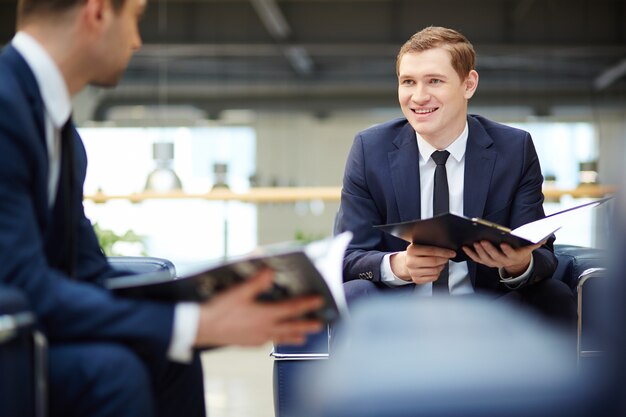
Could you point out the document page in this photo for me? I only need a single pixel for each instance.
(540, 229)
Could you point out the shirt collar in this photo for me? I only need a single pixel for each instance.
(456, 148)
(54, 92)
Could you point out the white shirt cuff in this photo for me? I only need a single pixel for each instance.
(514, 283)
(185, 329)
(386, 274)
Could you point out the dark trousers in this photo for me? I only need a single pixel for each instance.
(552, 299)
(102, 379)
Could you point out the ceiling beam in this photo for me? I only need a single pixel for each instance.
(272, 18)
(348, 49)
(278, 27)
(610, 75)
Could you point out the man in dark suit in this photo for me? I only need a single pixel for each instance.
(488, 170)
(108, 356)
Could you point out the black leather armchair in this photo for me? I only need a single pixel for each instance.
(23, 366)
(578, 267)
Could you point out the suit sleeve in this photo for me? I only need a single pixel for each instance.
(527, 207)
(67, 310)
(358, 213)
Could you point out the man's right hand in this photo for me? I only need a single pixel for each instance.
(420, 264)
(236, 317)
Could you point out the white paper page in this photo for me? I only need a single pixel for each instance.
(327, 256)
(539, 229)
(542, 228)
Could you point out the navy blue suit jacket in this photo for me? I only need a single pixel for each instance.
(33, 237)
(382, 185)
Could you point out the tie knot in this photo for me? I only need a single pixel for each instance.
(440, 157)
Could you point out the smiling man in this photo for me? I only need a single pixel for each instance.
(438, 159)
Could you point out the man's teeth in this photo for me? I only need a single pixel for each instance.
(424, 111)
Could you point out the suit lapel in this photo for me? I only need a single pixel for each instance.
(479, 164)
(64, 198)
(405, 175)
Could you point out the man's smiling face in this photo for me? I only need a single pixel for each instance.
(432, 96)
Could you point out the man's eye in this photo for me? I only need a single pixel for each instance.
(435, 81)
(407, 82)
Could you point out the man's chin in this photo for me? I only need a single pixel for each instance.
(107, 82)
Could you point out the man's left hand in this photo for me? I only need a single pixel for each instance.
(514, 261)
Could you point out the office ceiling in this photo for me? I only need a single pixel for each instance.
(322, 55)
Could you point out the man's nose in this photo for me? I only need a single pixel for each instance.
(137, 43)
(420, 94)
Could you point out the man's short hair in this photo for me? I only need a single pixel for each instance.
(463, 56)
(28, 8)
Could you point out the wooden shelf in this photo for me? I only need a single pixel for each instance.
(255, 195)
(582, 191)
(293, 194)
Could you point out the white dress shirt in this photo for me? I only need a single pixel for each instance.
(459, 281)
(57, 111)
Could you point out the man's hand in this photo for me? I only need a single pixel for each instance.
(235, 317)
(420, 264)
(514, 261)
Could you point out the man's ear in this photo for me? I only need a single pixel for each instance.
(471, 83)
(94, 11)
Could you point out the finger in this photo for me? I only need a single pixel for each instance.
(471, 254)
(420, 271)
(255, 285)
(295, 332)
(538, 245)
(480, 251)
(295, 340)
(493, 252)
(293, 327)
(421, 250)
(425, 262)
(508, 250)
(520, 252)
(483, 256)
(294, 308)
(425, 279)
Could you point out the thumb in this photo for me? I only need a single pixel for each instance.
(256, 284)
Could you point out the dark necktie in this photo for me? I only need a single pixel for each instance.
(441, 205)
(66, 182)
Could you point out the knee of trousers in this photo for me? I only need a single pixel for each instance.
(120, 365)
(555, 289)
(108, 377)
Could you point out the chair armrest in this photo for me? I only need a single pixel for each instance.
(23, 380)
(142, 264)
(584, 279)
(316, 347)
(15, 314)
(589, 274)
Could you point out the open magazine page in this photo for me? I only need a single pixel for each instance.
(327, 256)
(298, 271)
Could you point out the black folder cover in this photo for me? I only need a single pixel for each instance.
(294, 275)
(452, 231)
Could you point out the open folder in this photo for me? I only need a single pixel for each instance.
(453, 231)
(314, 269)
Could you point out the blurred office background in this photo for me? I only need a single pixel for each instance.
(233, 95)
